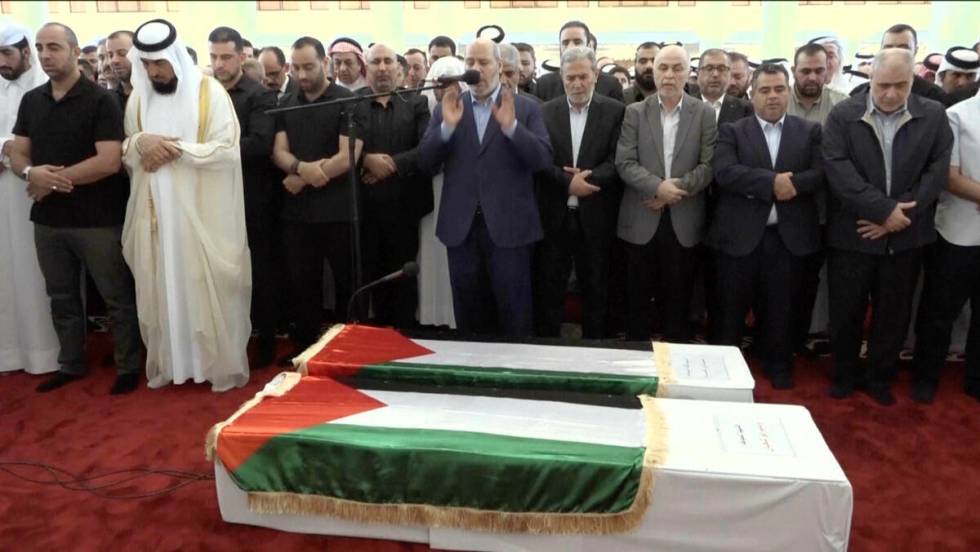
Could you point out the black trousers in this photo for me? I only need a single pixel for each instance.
(390, 238)
(305, 247)
(888, 282)
(553, 264)
(807, 294)
(766, 280)
(263, 237)
(952, 276)
(664, 269)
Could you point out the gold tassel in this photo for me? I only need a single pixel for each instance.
(665, 372)
(300, 361)
(545, 523)
(272, 389)
(464, 518)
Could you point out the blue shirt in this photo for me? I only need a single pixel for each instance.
(481, 115)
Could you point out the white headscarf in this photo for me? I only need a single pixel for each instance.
(962, 60)
(167, 114)
(444, 66)
(12, 91)
(10, 34)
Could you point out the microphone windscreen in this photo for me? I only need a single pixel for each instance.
(471, 77)
(411, 269)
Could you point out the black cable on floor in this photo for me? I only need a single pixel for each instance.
(93, 484)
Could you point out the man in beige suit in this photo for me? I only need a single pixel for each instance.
(664, 160)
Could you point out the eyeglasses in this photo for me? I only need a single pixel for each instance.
(712, 68)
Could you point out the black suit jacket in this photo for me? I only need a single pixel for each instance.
(597, 153)
(549, 86)
(856, 175)
(744, 172)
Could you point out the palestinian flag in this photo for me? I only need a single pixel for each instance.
(310, 445)
(368, 357)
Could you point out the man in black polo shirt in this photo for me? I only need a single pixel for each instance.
(68, 146)
(311, 148)
(396, 192)
(258, 129)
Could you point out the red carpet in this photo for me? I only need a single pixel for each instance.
(915, 470)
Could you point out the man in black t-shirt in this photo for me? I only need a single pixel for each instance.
(311, 147)
(262, 188)
(68, 146)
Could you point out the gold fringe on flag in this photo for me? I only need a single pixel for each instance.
(300, 361)
(487, 520)
(278, 387)
(665, 372)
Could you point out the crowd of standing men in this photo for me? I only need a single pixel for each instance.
(202, 217)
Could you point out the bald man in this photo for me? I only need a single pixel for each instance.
(490, 143)
(664, 159)
(396, 192)
(886, 154)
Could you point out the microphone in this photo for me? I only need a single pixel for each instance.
(408, 270)
(471, 77)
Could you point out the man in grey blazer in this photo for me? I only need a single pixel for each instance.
(664, 160)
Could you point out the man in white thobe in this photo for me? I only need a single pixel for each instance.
(27, 338)
(184, 235)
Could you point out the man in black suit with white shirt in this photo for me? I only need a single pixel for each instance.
(578, 197)
(768, 169)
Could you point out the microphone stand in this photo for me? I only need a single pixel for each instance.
(352, 173)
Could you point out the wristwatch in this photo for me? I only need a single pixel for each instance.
(26, 173)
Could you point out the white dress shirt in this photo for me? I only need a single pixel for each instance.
(957, 219)
(716, 105)
(282, 88)
(670, 121)
(576, 122)
(773, 133)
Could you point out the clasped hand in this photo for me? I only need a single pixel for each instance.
(157, 151)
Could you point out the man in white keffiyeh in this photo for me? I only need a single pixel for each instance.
(27, 338)
(184, 235)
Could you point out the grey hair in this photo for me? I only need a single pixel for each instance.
(509, 54)
(576, 53)
(884, 55)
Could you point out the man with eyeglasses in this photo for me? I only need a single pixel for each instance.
(276, 71)
(714, 75)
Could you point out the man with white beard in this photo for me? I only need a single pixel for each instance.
(27, 338)
(184, 235)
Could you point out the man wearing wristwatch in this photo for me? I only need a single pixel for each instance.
(67, 146)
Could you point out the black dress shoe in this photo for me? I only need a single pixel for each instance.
(125, 383)
(781, 379)
(923, 392)
(881, 393)
(841, 390)
(57, 380)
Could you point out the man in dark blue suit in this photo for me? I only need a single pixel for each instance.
(490, 142)
(768, 170)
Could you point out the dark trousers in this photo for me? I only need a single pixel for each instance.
(306, 245)
(62, 252)
(263, 235)
(889, 282)
(553, 264)
(390, 238)
(664, 269)
(491, 285)
(952, 275)
(807, 294)
(766, 280)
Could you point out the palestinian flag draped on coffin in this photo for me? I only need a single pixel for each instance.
(310, 445)
(363, 355)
